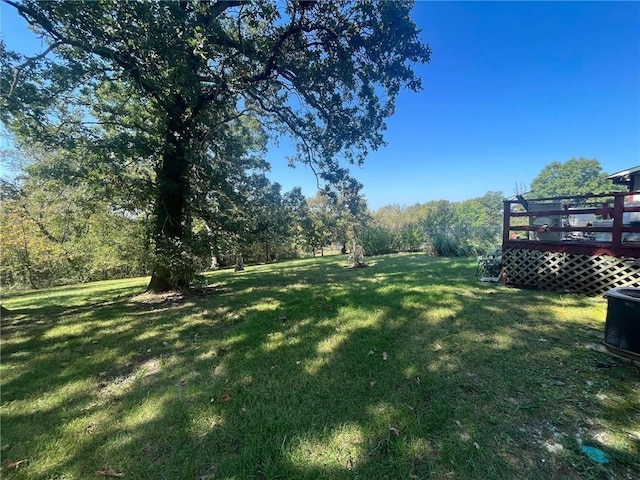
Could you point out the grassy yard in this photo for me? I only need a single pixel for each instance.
(406, 369)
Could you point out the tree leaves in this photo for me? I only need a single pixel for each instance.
(158, 89)
(576, 176)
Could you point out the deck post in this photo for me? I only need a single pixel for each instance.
(616, 232)
(506, 222)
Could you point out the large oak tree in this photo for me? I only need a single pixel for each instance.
(159, 86)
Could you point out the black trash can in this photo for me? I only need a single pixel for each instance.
(622, 328)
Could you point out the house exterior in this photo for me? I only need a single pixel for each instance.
(630, 178)
(581, 243)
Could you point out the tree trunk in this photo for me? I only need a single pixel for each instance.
(159, 283)
(239, 264)
(27, 260)
(212, 248)
(172, 270)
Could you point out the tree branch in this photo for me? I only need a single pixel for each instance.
(129, 65)
(29, 61)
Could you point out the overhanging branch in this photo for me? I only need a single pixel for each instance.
(29, 61)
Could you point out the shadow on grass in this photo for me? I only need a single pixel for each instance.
(406, 369)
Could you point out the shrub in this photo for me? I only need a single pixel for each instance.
(463, 240)
(378, 240)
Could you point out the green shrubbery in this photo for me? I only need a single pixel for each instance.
(462, 240)
(442, 228)
(377, 240)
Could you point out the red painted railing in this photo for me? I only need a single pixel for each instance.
(609, 224)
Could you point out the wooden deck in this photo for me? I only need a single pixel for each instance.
(620, 239)
(584, 243)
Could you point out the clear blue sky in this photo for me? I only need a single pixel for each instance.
(511, 87)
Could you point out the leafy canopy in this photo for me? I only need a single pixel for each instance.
(155, 95)
(577, 176)
(326, 73)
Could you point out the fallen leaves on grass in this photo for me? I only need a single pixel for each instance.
(226, 397)
(110, 472)
(349, 463)
(395, 431)
(464, 435)
(210, 474)
(9, 464)
(385, 356)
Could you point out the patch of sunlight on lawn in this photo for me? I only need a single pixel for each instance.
(234, 340)
(384, 413)
(314, 365)
(348, 321)
(411, 372)
(351, 318)
(205, 423)
(421, 448)
(445, 363)
(277, 340)
(53, 460)
(502, 341)
(62, 397)
(267, 305)
(438, 315)
(412, 301)
(294, 286)
(331, 344)
(152, 408)
(32, 299)
(150, 335)
(335, 448)
(65, 330)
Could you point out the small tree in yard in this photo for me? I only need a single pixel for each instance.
(160, 86)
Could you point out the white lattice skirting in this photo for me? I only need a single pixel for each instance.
(588, 274)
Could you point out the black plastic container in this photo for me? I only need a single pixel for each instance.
(622, 328)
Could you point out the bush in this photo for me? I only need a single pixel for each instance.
(378, 240)
(463, 240)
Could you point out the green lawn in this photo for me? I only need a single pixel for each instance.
(406, 369)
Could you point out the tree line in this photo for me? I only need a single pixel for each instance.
(58, 228)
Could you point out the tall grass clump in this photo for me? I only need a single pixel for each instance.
(462, 240)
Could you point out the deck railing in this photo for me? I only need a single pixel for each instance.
(603, 224)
